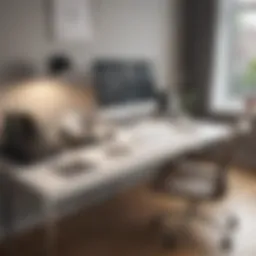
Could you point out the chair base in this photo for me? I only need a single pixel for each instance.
(176, 231)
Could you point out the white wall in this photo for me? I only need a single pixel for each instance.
(25, 33)
(122, 28)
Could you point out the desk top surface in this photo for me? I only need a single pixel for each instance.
(137, 148)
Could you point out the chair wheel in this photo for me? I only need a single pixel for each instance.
(170, 241)
(226, 244)
(157, 223)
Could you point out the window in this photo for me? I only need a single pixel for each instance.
(234, 69)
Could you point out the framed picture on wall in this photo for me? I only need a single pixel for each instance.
(71, 20)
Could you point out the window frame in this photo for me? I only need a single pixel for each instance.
(221, 98)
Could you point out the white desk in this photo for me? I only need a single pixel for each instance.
(150, 143)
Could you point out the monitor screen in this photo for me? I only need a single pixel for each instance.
(123, 82)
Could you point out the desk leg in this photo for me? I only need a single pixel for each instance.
(50, 232)
(7, 212)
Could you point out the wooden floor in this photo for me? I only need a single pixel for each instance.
(120, 227)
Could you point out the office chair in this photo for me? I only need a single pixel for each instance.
(196, 182)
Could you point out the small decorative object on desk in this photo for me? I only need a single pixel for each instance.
(119, 145)
(72, 126)
(162, 102)
(103, 131)
(168, 103)
(84, 129)
(250, 105)
(246, 119)
(176, 113)
(77, 128)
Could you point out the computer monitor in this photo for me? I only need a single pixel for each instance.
(124, 87)
(120, 82)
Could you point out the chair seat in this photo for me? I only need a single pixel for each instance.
(194, 180)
